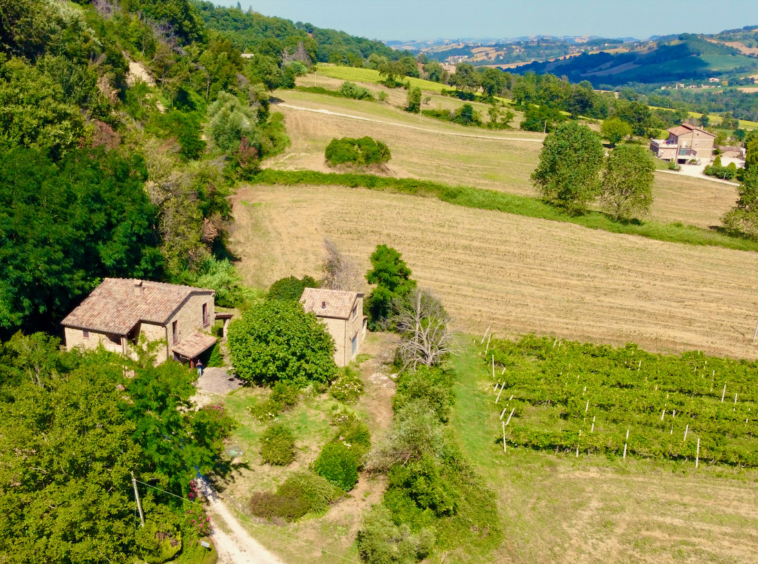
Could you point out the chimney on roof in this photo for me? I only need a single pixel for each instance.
(138, 288)
(323, 305)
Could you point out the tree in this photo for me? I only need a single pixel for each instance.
(230, 122)
(66, 227)
(541, 118)
(744, 217)
(391, 70)
(567, 174)
(628, 181)
(615, 130)
(290, 288)
(423, 322)
(493, 82)
(66, 453)
(414, 100)
(393, 280)
(339, 271)
(276, 340)
(465, 78)
(435, 72)
(751, 153)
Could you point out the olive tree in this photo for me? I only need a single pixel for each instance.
(568, 171)
(628, 181)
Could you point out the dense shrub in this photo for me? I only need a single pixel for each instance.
(301, 493)
(290, 288)
(465, 115)
(393, 281)
(282, 396)
(277, 341)
(159, 540)
(363, 151)
(338, 463)
(380, 541)
(315, 490)
(216, 359)
(348, 386)
(278, 445)
(351, 90)
(433, 386)
(269, 505)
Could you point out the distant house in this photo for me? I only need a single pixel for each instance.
(713, 79)
(119, 311)
(342, 313)
(684, 143)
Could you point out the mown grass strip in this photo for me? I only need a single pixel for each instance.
(479, 198)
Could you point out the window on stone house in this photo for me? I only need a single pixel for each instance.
(85, 334)
(175, 331)
(206, 321)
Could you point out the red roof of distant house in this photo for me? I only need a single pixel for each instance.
(686, 128)
(118, 304)
(329, 303)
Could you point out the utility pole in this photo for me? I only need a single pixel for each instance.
(139, 505)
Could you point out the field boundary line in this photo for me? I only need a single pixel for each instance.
(704, 177)
(338, 114)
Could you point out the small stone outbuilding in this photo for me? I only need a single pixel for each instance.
(119, 311)
(342, 313)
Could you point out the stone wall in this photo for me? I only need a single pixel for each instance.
(189, 317)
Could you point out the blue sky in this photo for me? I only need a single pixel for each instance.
(450, 19)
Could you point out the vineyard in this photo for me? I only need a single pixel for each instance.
(573, 397)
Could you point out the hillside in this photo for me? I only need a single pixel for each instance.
(686, 57)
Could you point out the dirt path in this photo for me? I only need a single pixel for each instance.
(329, 112)
(237, 546)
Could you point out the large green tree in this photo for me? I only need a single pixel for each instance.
(494, 82)
(393, 280)
(466, 78)
(615, 130)
(276, 340)
(744, 217)
(64, 227)
(628, 181)
(568, 171)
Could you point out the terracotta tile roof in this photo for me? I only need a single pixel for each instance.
(329, 303)
(116, 306)
(686, 128)
(194, 345)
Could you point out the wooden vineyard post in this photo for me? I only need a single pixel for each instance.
(488, 344)
(723, 393)
(511, 415)
(593, 424)
(697, 455)
(503, 412)
(485, 335)
(500, 392)
(687, 428)
(577, 443)
(588, 406)
(663, 414)
(626, 442)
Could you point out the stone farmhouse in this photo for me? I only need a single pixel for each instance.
(342, 313)
(684, 143)
(120, 311)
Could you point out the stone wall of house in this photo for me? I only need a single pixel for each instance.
(75, 338)
(344, 330)
(189, 317)
(154, 332)
(336, 328)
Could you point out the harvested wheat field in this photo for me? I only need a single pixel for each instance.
(518, 274)
(432, 153)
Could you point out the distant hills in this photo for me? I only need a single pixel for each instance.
(610, 62)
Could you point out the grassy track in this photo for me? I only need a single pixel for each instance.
(510, 203)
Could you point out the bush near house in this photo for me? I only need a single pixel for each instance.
(278, 445)
(277, 341)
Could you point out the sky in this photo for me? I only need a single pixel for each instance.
(453, 19)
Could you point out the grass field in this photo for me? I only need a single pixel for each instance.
(516, 273)
(372, 77)
(559, 508)
(431, 153)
